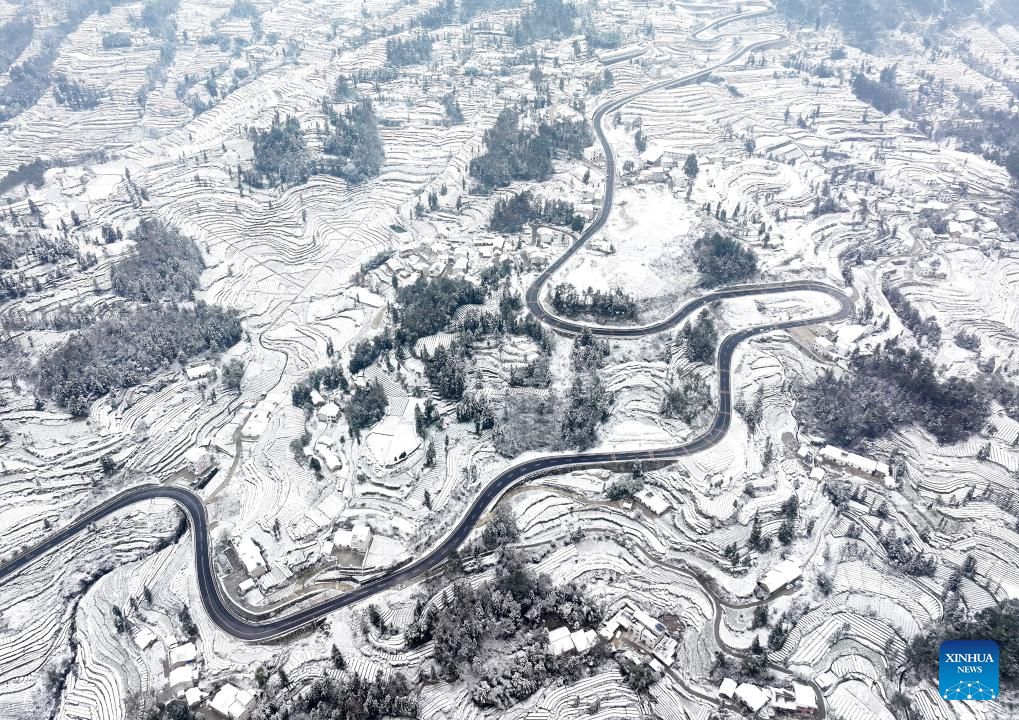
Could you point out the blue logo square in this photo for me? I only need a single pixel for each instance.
(968, 670)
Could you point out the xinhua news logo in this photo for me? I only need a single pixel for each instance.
(968, 670)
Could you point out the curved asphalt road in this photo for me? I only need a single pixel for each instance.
(248, 626)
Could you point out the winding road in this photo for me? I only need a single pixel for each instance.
(253, 627)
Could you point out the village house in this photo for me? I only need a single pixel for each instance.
(233, 703)
(250, 556)
(783, 574)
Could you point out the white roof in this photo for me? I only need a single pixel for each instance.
(182, 677)
(558, 634)
(246, 586)
(727, 688)
(781, 575)
(199, 371)
(817, 473)
(332, 505)
(329, 410)
(752, 696)
(250, 555)
(343, 538)
(653, 500)
(805, 697)
(328, 457)
(185, 653)
(144, 637)
(193, 696)
(196, 453)
(362, 532)
(649, 622)
(222, 700)
(316, 397)
(583, 640)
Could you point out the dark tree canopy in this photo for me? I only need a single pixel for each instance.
(354, 147)
(723, 260)
(280, 154)
(163, 265)
(366, 407)
(127, 349)
(428, 305)
(515, 153)
(510, 214)
(892, 388)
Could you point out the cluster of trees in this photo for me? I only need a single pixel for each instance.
(921, 328)
(999, 623)
(366, 352)
(365, 408)
(28, 80)
(587, 402)
(354, 147)
(510, 214)
(125, 349)
(893, 387)
(903, 556)
(865, 22)
(723, 260)
(625, 487)
(447, 12)
(15, 35)
(42, 248)
(883, 94)
(446, 370)
(611, 305)
(163, 265)
(687, 399)
(280, 154)
(544, 19)
(427, 306)
(701, 338)
(451, 106)
(513, 609)
(74, 94)
(327, 378)
(157, 17)
(349, 697)
(515, 153)
(528, 422)
(410, 51)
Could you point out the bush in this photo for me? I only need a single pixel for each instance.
(687, 400)
(701, 339)
(115, 40)
(232, 373)
(501, 530)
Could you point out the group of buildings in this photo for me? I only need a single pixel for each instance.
(767, 701)
(646, 639)
(227, 701)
